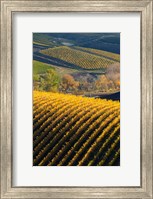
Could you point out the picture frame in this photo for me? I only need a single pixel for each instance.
(8, 8)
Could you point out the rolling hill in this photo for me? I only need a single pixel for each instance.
(103, 41)
(74, 130)
(40, 68)
(84, 60)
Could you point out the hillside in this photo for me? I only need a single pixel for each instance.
(74, 130)
(103, 41)
(39, 67)
(79, 58)
(102, 53)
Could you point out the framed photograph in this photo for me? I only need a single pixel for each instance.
(76, 99)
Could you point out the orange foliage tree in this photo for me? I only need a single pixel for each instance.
(68, 83)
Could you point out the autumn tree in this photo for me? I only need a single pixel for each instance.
(102, 83)
(113, 74)
(68, 83)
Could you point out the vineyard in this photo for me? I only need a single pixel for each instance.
(75, 131)
(79, 58)
(110, 55)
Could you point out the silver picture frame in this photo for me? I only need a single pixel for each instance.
(8, 8)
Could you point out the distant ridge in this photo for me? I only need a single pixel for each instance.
(112, 96)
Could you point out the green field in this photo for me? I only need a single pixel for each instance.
(40, 68)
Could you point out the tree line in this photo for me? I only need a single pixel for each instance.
(51, 81)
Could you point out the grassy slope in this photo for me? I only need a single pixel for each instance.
(40, 68)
